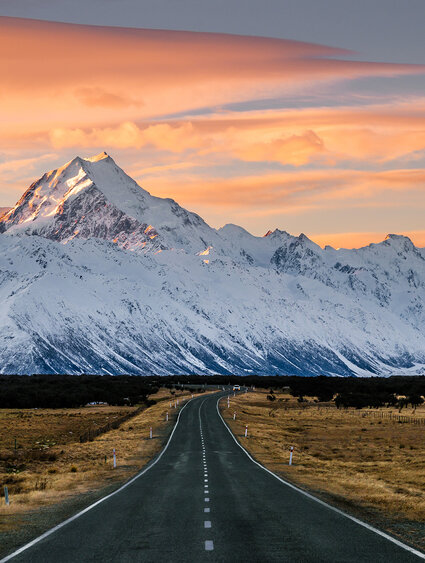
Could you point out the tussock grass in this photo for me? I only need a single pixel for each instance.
(51, 465)
(353, 460)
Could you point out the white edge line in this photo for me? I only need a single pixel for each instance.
(323, 503)
(68, 520)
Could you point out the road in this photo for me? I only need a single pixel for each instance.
(206, 500)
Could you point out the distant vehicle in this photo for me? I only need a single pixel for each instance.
(236, 387)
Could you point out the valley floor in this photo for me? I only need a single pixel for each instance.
(369, 466)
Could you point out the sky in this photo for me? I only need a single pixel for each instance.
(306, 115)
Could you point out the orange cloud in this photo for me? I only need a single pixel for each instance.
(174, 138)
(169, 70)
(284, 192)
(294, 149)
(94, 97)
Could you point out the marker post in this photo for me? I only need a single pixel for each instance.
(246, 431)
(290, 455)
(150, 432)
(234, 416)
(115, 459)
(166, 416)
(6, 496)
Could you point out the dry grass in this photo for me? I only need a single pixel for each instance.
(51, 465)
(354, 460)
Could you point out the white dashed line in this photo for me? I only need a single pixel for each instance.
(209, 544)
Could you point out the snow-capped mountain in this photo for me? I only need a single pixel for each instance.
(97, 275)
(94, 198)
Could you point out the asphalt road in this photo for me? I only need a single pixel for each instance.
(206, 500)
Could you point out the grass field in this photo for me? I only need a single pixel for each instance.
(352, 460)
(50, 464)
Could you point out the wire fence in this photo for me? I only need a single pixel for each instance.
(401, 418)
(92, 433)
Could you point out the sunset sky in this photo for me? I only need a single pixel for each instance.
(318, 126)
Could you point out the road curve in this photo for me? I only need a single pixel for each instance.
(204, 499)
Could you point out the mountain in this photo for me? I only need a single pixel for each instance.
(94, 198)
(99, 276)
(4, 210)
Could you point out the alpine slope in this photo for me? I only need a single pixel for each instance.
(99, 276)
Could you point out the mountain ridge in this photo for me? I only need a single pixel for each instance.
(98, 275)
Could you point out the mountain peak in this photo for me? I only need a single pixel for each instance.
(276, 233)
(93, 197)
(395, 237)
(101, 156)
(399, 242)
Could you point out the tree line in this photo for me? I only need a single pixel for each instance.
(68, 391)
(65, 391)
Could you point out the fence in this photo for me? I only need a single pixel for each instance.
(92, 433)
(402, 418)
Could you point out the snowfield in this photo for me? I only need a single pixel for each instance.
(98, 276)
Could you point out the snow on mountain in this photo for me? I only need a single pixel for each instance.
(93, 197)
(84, 288)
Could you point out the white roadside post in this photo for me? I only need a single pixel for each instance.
(228, 401)
(246, 431)
(6, 496)
(234, 416)
(166, 417)
(170, 405)
(290, 455)
(115, 459)
(150, 432)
